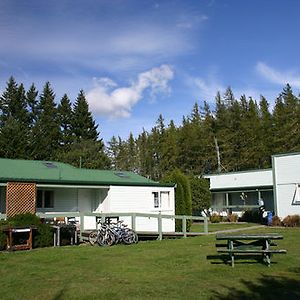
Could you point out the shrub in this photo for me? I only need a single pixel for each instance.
(2, 241)
(252, 216)
(201, 195)
(215, 218)
(183, 198)
(291, 221)
(232, 218)
(276, 221)
(24, 220)
(42, 236)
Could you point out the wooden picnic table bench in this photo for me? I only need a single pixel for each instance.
(249, 244)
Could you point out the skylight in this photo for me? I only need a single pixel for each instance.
(121, 174)
(50, 165)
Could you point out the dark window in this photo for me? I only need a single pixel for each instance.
(45, 199)
(39, 200)
(156, 199)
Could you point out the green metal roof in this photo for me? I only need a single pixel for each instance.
(61, 173)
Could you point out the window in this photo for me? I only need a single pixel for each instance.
(156, 199)
(296, 197)
(165, 200)
(45, 199)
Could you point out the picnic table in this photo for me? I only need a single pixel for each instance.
(249, 244)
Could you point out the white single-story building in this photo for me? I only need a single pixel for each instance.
(279, 188)
(56, 188)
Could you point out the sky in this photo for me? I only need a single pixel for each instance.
(137, 59)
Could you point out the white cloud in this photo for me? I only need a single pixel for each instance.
(278, 77)
(207, 89)
(108, 99)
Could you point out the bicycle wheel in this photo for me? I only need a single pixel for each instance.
(129, 237)
(107, 239)
(93, 237)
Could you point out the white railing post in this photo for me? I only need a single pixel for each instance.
(184, 226)
(133, 221)
(81, 217)
(159, 220)
(205, 225)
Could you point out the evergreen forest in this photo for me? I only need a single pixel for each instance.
(231, 135)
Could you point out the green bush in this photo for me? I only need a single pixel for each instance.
(183, 198)
(2, 241)
(201, 195)
(43, 236)
(251, 216)
(24, 220)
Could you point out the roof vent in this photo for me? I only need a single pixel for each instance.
(50, 165)
(121, 174)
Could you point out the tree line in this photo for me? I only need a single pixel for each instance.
(33, 126)
(238, 134)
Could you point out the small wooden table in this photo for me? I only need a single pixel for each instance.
(12, 233)
(249, 244)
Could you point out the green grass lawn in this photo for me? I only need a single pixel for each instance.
(213, 227)
(168, 269)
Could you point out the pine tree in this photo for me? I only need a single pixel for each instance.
(64, 111)
(32, 103)
(112, 152)
(46, 130)
(14, 121)
(292, 126)
(266, 133)
(169, 151)
(132, 153)
(144, 154)
(83, 124)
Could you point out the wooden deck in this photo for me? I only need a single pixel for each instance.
(144, 235)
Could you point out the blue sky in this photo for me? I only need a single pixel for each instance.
(138, 59)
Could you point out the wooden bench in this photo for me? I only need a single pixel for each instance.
(249, 244)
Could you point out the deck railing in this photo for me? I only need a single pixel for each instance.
(133, 217)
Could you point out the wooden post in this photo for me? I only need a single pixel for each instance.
(184, 226)
(205, 225)
(159, 219)
(133, 221)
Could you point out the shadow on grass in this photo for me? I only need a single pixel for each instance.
(268, 288)
(238, 260)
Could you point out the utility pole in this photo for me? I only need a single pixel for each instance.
(218, 154)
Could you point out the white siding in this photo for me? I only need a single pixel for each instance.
(287, 178)
(241, 180)
(116, 199)
(140, 199)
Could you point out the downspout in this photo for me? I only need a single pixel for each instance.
(274, 186)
